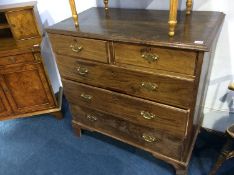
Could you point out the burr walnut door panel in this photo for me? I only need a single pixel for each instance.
(23, 24)
(4, 105)
(26, 88)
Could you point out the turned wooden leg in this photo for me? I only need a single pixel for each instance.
(173, 17)
(226, 153)
(180, 169)
(58, 115)
(76, 129)
(106, 4)
(74, 12)
(189, 4)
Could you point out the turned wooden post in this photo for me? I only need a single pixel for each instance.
(227, 151)
(173, 17)
(189, 4)
(74, 12)
(106, 4)
(231, 87)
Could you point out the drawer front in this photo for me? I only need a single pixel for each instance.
(160, 88)
(23, 58)
(147, 138)
(90, 49)
(27, 88)
(23, 23)
(155, 58)
(169, 119)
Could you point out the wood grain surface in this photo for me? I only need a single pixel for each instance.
(89, 49)
(170, 119)
(144, 27)
(26, 88)
(173, 60)
(23, 24)
(130, 132)
(131, 82)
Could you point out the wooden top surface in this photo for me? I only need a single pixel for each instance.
(196, 31)
(12, 6)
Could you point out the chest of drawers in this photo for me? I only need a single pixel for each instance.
(124, 77)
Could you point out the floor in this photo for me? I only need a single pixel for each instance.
(42, 145)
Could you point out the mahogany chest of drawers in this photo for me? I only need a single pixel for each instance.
(126, 78)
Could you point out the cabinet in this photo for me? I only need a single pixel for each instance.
(24, 83)
(126, 78)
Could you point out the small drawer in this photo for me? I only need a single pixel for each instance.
(155, 58)
(90, 49)
(167, 118)
(166, 89)
(149, 139)
(14, 59)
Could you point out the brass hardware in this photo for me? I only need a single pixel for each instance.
(35, 47)
(82, 70)
(148, 138)
(86, 96)
(149, 86)
(106, 4)
(91, 118)
(148, 56)
(76, 47)
(36, 57)
(147, 115)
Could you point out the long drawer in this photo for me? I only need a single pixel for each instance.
(166, 89)
(147, 138)
(90, 49)
(146, 113)
(155, 58)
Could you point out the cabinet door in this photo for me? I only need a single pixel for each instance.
(5, 108)
(27, 88)
(23, 24)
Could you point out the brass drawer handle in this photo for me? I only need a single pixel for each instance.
(86, 96)
(148, 138)
(76, 47)
(149, 86)
(82, 70)
(91, 118)
(147, 115)
(150, 57)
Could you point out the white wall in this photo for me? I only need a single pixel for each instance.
(219, 105)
